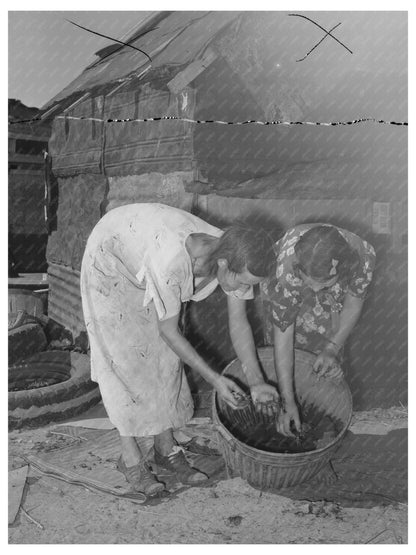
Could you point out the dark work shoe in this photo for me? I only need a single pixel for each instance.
(140, 477)
(176, 462)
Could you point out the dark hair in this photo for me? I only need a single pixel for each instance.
(244, 248)
(318, 247)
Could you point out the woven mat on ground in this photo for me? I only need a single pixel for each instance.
(91, 460)
(368, 470)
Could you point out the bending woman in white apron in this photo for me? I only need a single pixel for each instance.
(141, 262)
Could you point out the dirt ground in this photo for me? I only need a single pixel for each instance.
(230, 512)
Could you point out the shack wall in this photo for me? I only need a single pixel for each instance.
(376, 353)
(27, 230)
(353, 176)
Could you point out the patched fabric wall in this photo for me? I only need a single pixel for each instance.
(79, 209)
(76, 145)
(142, 147)
(27, 228)
(150, 187)
(26, 202)
(125, 148)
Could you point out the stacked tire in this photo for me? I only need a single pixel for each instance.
(25, 340)
(49, 387)
(26, 331)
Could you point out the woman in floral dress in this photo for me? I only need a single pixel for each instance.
(322, 276)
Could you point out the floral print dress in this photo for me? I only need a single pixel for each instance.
(315, 314)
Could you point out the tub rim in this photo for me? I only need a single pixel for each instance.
(248, 448)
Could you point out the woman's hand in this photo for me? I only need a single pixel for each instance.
(326, 364)
(288, 415)
(229, 391)
(265, 399)
(335, 372)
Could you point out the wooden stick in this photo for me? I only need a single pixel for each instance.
(81, 438)
(377, 535)
(38, 524)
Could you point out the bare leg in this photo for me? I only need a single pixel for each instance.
(164, 442)
(135, 468)
(130, 450)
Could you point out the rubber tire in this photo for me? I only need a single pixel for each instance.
(40, 406)
(25, 341)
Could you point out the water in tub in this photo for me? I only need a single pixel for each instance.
(318, 430)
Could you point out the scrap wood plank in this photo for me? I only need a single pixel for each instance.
(17, 480)
(23, 280)
(93, 423)
(48, 467)
(191, 72)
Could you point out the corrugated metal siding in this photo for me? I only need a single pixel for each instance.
(64, 303)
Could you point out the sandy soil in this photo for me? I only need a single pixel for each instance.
(230, 512)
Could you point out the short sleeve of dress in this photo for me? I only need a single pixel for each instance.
(243, 295)
(284, 301)
(167, 286)
(283, 291)
(358, 286)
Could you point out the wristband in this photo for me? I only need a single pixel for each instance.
(339, 347)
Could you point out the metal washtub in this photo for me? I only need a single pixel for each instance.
(267, 470)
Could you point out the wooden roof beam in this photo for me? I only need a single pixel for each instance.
(191, 72)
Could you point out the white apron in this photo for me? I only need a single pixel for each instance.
(135, 270)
